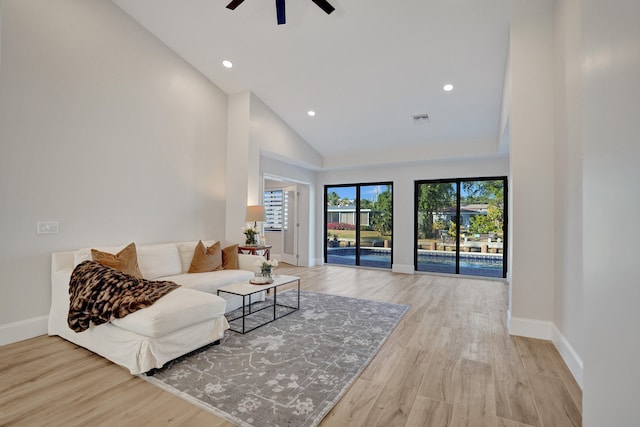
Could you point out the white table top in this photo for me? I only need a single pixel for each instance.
(246, 288)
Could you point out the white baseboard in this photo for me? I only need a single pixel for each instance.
(545, 330)
(23, 329)
(529, 328)
(403, 268)
(569, 355)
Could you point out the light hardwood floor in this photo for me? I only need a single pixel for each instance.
(450, 362)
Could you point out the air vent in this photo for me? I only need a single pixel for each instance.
(420, 119)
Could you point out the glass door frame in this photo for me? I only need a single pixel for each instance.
(458, 182)
(357, 217)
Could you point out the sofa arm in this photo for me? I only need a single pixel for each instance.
(61, 261)
(248, 262)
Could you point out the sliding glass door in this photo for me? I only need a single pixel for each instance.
(374, 243)
(340, 225)
(460, 226)
(437, 226)
(359, 224)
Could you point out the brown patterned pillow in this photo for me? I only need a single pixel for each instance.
(126, 260)
(230, 258)
(206, 259)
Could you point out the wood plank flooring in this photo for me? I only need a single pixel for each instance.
(450, 362)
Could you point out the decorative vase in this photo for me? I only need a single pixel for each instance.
(266, 272)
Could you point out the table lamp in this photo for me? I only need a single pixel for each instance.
(256, 213)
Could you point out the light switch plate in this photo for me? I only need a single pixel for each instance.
(48, 227)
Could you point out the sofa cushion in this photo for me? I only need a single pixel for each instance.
(181, 308)
(125, 261)
(230, 258)
(210, 282)
(84, 254)
(248, 262)
(206, 258)
(186, 249)
(159, 260)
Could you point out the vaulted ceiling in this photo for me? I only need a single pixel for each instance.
(366, 69)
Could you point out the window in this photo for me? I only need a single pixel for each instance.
(359, 224)
(460, 226)
(275, 209)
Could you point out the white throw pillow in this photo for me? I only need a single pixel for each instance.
(159, 260)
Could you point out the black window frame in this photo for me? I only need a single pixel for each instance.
(458, 182)
(357, 217)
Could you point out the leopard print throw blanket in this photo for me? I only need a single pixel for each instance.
(98, 294)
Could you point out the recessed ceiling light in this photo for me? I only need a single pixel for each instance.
(227, 64)
(448, 87)
(311, 113)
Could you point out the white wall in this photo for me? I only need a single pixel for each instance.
(255, 131)
(0, 36)
(275, 138)
(433, 152)
(611, 149)
(403, 178)
(238, 166)
(568, 298)
(305, 179)
(532, 227)
(105, 130)
(256, 134)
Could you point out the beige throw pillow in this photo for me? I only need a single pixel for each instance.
(126, 260)
(230, 258)
(206, 259)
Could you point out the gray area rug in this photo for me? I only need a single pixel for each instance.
(290, 372)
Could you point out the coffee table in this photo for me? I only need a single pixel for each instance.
(246, 290)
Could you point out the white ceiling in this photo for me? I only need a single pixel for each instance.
(366, 69)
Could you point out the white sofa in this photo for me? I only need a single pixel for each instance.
(181, 321)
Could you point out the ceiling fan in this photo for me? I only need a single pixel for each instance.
(323, 4)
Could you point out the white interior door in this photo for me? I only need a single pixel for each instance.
(290, 225)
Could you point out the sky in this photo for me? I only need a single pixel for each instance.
(366, 192)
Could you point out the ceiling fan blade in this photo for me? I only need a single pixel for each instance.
(324, 5)
(234, 4)
(280, 12)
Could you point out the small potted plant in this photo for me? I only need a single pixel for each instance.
(266, 267)
(251, 235)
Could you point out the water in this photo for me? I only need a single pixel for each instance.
(484, 265)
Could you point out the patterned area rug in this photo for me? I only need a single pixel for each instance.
(290, 372)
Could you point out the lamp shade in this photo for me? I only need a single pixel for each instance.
(255, 213)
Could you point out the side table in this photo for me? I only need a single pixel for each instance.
(264, 250)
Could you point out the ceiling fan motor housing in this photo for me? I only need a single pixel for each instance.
(280, 8)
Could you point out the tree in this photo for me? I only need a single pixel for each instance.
(432, 199)
(333, 199)
(453, 232)
(382, 218)
(490, 192)
(366, 204)
(481, 224)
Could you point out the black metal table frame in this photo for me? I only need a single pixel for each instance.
(275, 305)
